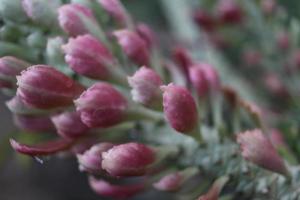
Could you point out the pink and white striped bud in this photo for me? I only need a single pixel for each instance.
(44, 87)
(43, 12)
(69, 125)
(87, 56)
(258, 149)
(69, 17)
(147, 34)
(130, 159)
(179, 108)
(215, 190)
(133, 46)
(10, 67)
(229, 11)
(101, 105)
(116, 10)
(145, 85)
(106, 189)
(90, 160)
(32, 123)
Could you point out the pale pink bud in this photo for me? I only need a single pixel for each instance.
(87, 56)
(91, 159)
(283, 40)
(179, 108)
(44, 87)
(275, 85)
(69, 125)
(101, 105)
(182, 59)
(147, 34)
(229, 11)
(130, 159)
(10, 67)
(106, 189)
(199, 81)
(211, 75)
(133, 46)
(170, 182)
(145, 85)
(258, 149)
(70, 21)
(32, 123)
(115, 9)
(215, 190)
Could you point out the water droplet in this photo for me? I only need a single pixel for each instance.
(39, 160)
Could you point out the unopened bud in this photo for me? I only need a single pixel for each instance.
(205, 20)
(182, 59)
(106, 189)
(32, 123)
(54, 52)
(130, 159)
(116, 10)
(91, 159)
(258, 149)
(145, 85)
(229, 11)
(252, 57)
(283, 40)
(44, 87)
(215, 190)
(133, 46)
(87, 56)
(147, 34)
(101, 105)
(69, 125)
(69, 17)
(179, 108)
(12, 10)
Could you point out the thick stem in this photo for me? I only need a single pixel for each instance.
(136, 112)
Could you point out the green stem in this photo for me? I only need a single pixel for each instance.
(136, 112)
(7, 48)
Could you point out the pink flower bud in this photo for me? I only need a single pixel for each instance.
(229, 12)
(257, 148)
(91, 159)
(130, 159)
(179, 108)
(101, 105)
(170, 182)
(133, 46)
(69, 17)
(69, 125)
(205, 20)
(252, 57)
(215, 190)
(147, 34)
(17, 106)
(277, 139)
(283, 40)
(211, 75)
(275, 85)
(10, 67)
(268, 6)
(106, 189)
(41, 11)
(182, 59)
(115, 9)
(87, 56)
(42, 86)
(34, 123)
(145, 85)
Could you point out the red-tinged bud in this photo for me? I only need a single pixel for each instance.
(170, 182)
(229, 12)
(40, 11)
(101, 105)
(69, 17)
(106, 189)
(32, 123)
(258, 149)
(182, 59)
(274, 85)
(215, 190)
(277, 139)
(115, 9)
(69, 125)
(10, 67)
(90, 160)
(205, 20)
(268, 6)
(147, 34)
(44, 87)
(130, 159)
(179, 108)
(87, 56)
(47, 148)
(145, 85)
(283, 40)
(251, 58)
(133, 46)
